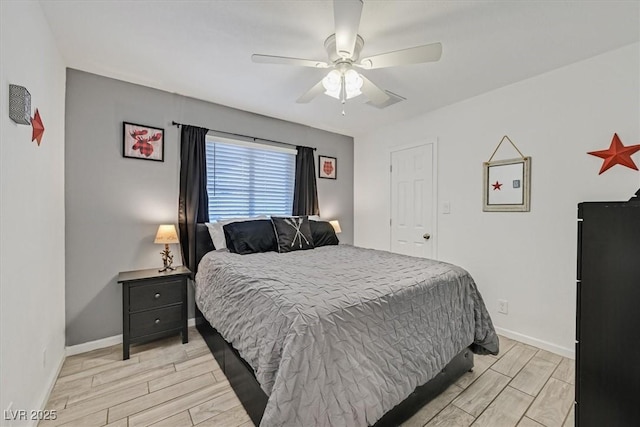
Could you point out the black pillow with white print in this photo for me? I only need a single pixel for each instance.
(293, 233)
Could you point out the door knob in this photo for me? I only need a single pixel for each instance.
(426, 236)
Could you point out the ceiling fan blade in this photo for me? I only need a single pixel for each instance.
(311, 93)
(346, 15)
(394, 98)
(376, 95)
(414, 55)
(284, 60)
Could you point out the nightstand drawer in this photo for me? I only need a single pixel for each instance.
(157, 294)
(153, 321)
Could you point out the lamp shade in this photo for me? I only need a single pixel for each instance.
(336, 226)
(166, 234)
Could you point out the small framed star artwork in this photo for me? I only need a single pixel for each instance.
(507, 185)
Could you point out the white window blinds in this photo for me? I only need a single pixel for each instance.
(248, 179)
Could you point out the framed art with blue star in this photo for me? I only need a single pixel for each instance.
(507, 185)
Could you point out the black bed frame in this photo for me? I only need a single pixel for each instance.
(243, 381)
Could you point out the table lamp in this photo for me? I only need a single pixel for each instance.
(166, 234)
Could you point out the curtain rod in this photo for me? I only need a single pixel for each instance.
(174, 123)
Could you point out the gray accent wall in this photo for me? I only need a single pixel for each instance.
(115, 204)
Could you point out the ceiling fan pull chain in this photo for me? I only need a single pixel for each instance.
(343, 93)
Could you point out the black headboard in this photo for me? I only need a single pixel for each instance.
(203, 242)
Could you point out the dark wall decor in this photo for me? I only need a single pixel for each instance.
(20, 111)
(142, 142)
(327, 167)
(19, 104)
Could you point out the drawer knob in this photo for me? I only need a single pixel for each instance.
(156, 296)
(157, 321)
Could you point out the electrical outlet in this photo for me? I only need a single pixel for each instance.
(503, 306)
(446, 207)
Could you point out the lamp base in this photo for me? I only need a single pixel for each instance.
(167, 259)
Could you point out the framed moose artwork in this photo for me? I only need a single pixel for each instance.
(142, 142)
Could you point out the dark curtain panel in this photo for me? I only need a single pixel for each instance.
(305, 193)
(193, 202)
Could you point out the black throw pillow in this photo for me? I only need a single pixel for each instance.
(323, 233)
(293, 233)
(250, 237)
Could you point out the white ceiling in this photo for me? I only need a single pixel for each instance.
(203, 49)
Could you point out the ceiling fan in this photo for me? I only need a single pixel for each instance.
(343, 48)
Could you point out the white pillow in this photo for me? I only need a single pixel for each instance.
(217, 233)
(314, 218)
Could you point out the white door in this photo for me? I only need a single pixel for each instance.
(412, 201)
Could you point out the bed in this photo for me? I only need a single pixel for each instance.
(337, 335)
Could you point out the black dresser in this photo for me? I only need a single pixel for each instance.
(608, 314)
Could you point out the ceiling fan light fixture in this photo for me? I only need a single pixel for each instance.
(332, 83)
(353, 82)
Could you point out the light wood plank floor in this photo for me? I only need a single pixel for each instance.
(523, 386)
(165, 383)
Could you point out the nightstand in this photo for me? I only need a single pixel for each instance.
(154, 305)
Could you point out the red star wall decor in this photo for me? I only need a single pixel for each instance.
(38, 128)
(497, 186)
(616, 154)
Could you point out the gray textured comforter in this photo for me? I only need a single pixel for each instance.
(339, 335)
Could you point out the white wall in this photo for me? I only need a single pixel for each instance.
(32, 212)
(528, 259)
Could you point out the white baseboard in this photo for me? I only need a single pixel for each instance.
(104, 342)
(52, 383)
(72, 350)
(545, 345)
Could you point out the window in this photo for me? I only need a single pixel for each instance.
(248, 179)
